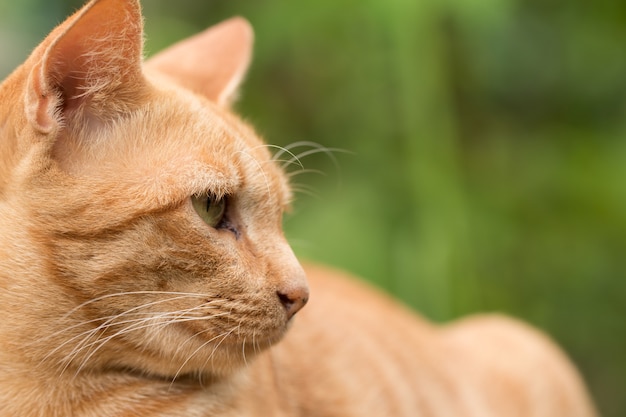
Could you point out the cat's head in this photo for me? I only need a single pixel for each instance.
(140, 220)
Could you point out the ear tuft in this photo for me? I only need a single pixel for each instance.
(212, 63)
(88, 64)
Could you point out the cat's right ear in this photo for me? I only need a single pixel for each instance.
(212, 63)
(88, 66)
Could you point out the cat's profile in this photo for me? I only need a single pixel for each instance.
(143, 270)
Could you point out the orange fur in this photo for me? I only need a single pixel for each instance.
(118, 300)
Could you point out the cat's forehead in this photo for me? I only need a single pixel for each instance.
(181, 144)
(173, 145)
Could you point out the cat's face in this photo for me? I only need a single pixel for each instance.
(144, 218)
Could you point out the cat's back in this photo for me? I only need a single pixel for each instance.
(353, 342)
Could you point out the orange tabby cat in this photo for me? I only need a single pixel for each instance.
(143, 271)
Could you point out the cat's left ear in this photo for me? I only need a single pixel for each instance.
(212, 63)
(88, 66)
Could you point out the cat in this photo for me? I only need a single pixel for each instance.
(143, 270)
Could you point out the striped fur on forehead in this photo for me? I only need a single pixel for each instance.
(172, 147)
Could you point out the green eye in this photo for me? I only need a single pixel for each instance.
(210, 208)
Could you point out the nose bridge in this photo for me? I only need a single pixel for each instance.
(287, 278)
(285, 267)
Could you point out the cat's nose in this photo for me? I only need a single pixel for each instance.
(293, 299)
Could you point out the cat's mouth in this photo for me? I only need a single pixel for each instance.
(255, 330)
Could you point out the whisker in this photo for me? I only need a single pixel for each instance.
(306, 171)
(287, 149)
(136, 324)
(199, 348)
(99, 344)
(260, 167)
(305, 189)
(125, 293)
(286, 162)
(330, 152)
(282, 150)
(243, 351)
(109, 319)
(84, 335)
(218, 345)
(181, 345)
(315, 148)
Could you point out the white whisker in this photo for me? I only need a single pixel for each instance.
(260, 167)
(217, 346)
(121, 294)
(315, 148)
(282, 150)
(306, 171)
(108, 320)
(243, 351)
(99, 344)
(135, 324)
(328, 151)
(305, 189)
(199, 348)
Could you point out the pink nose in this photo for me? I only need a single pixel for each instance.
(293, 299)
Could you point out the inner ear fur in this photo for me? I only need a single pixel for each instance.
(212, 63)
(90, 64)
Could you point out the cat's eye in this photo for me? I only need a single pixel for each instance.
(210, 208)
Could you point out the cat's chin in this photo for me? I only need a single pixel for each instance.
(229, 359)
(248, 347)
(217, 360)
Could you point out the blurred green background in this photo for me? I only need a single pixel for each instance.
(487, 149)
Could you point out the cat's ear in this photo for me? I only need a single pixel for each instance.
(212, 63)
(90, 65)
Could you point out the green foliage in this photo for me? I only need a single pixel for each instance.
(487, 145)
